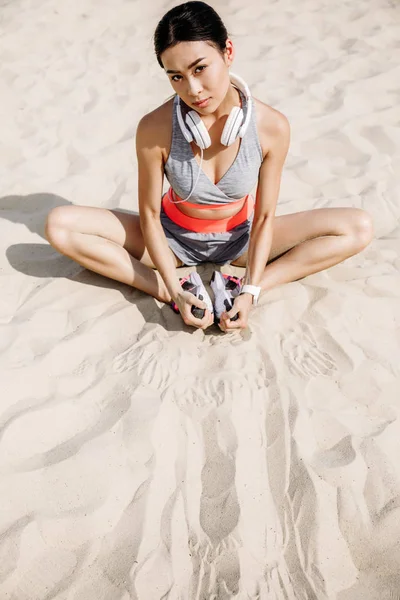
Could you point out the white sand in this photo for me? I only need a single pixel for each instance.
(144, 459)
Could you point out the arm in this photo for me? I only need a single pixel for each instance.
(266, 199)
(151, 174)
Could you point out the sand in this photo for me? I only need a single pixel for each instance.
(144, 459)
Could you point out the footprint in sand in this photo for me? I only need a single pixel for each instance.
(155, 363)
(136, 357)
(83, 367)
(305, 355)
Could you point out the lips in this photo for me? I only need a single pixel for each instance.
(202, 103)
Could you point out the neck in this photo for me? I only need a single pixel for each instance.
(232, 98)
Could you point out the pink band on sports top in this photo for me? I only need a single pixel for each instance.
(206, 225)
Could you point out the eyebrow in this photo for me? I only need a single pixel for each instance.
(190, 66)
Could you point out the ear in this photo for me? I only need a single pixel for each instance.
(229, 52)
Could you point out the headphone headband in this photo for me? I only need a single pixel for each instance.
(243, 87)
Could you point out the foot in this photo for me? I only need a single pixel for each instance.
(225, 288)
(193, 283)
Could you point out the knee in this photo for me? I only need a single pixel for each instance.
(362, 229)
(58, 225)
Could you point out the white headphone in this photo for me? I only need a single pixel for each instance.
(193, 128)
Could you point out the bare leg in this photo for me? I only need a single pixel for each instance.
(109, 243)
(311, 241)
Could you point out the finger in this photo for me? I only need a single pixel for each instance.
(239, 324)
(190, 319)
(224, 325)
(207, 320)
(199, 303)
(232, 313)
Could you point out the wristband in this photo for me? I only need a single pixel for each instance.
(254, 290)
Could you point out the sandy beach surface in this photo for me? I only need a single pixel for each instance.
(144, 459)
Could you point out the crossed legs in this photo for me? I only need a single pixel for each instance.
(110, 242)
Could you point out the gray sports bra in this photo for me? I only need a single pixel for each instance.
(181, 168)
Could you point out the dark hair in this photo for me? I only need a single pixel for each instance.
(189, 22)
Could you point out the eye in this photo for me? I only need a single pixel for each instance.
(179, 77)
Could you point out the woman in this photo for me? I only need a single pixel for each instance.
(221, 223)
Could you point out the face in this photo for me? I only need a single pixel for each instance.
(198, 71)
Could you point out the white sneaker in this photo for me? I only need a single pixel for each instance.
(225, 288)
(194, 284)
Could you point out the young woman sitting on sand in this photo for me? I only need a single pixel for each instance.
(218, 146)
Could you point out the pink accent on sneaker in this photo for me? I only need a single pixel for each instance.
(174, 305)
(232, 278)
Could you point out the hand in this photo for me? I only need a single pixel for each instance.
(242, 305)
(185, 300)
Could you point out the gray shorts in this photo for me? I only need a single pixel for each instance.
(194, 248)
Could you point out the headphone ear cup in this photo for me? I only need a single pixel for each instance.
(198, 129)
(232, 126)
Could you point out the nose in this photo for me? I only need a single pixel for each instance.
(194, 87)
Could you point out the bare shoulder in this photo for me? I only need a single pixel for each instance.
(272, 125)
(155, 128)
